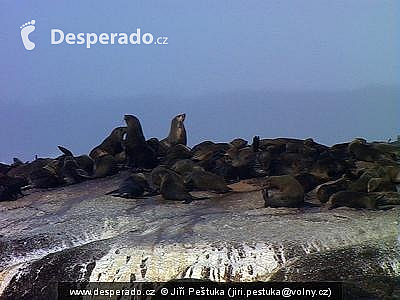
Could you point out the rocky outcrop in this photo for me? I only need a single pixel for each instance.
(76, 233)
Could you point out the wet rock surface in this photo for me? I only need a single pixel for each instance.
(76, 233)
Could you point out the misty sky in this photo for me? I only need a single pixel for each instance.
(329, 70)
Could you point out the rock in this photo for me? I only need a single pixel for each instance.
(76, 233)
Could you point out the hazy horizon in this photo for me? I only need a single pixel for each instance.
(209, 117)
(329, 70)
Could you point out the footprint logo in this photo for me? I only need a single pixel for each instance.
(26, 29)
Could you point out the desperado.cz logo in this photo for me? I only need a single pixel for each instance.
(58, 36)
(135, 38)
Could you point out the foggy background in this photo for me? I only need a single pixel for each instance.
(329, 70)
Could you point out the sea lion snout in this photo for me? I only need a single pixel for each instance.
(182, 117)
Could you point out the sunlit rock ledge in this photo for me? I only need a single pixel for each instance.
(76, 233)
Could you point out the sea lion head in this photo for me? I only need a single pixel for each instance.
(181, 117)
(133, 126)
(119, 132)
(129, 119)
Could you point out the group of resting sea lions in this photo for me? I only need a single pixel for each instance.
(356, 174)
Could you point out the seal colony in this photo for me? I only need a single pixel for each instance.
(288, 172)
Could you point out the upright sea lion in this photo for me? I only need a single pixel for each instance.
(283, 191)
(138, 153)
(177, 133)
(113, 143)
(353, 199)
(256, 143)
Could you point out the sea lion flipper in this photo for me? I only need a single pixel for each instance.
(82, 173)
(65, 151)
(112, 192)
(192, 198)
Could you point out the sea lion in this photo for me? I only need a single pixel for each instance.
(207, 154)
(10, 188)
(133, 186)
(72, 173)
(386, 198)
(245, 164)
(17, 162)
(278, 145)
(202, 180)
(154, 143)
(25, 170)
(4, 168)
(85, 162)
(173, 188)
(183, 166)
(361, 150)
(391, 173)
(353, 199)
(381, 185)
(325, 190)
(138, 153)
(329, 168)
(203, 146)
(308, 181)
(175, 153)
(256, 143)
(177, 132)
(311, 147)
(361, 183)
(239, 143)
(283, 191)
(339, 151)
(160, 170)
(113, 143)
(387, 148)
(48, 176)
(104, 164)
